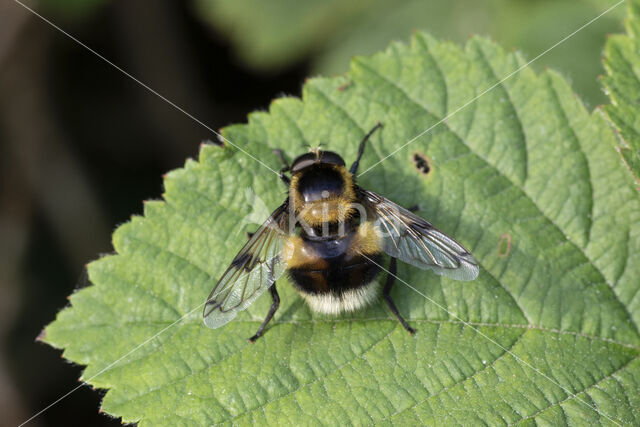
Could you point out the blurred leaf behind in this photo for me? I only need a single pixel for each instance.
(271, 35)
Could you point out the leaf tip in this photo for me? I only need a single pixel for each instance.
(221, 139)
(41, 336)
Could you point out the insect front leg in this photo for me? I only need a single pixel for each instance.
(354, 166)
(286, 167)
(386, 293)
(274, 306)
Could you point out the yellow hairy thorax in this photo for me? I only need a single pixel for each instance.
(333, 209)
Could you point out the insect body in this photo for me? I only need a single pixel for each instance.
(330, 236)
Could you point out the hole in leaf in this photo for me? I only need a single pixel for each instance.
(421, 163)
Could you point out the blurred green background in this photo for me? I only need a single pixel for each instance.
(81, 145)
(271, 35)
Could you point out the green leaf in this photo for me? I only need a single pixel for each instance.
(552, 334)
(622, 62)
(270, 34)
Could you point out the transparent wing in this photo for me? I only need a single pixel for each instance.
(413, 240)
(256, 267)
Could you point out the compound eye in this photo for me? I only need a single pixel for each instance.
(329, 157)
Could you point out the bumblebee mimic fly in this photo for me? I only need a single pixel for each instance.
(329, 237)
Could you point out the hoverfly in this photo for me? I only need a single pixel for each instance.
(329, 236)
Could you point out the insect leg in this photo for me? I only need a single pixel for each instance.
(286, 167)
(386, 293)
(274, 306)
(354, 166)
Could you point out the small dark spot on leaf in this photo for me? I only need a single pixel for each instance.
(421, 163)
(504, 245)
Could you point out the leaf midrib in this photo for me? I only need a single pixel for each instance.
(525, 328)
(274, 322)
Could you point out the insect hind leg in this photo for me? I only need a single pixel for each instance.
(274, 307)
(354, 166)
(386, 293)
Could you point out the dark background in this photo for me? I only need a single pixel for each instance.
(81, 144)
